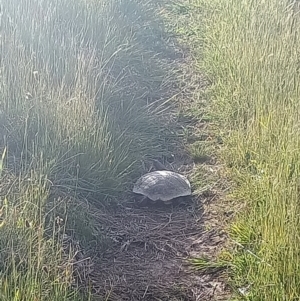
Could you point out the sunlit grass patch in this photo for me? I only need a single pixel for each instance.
(251, 50)
(205, 264)
(2, 161)
(201, 151)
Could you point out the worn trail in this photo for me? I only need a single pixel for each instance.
(148, 257)
(150, 246)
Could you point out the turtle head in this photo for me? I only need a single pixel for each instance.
(151, 164)
(156, 165)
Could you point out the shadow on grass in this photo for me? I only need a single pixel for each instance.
(86, 91)
(86, 85)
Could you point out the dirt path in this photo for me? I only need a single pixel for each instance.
(147, 258)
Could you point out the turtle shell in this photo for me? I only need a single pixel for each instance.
(162, 185)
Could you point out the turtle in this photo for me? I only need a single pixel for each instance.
(162, 185)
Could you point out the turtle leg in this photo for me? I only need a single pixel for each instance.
(169, 202)
(184, 200)
(140, 199)
(144, 200)
(175, 202)
(180, 200)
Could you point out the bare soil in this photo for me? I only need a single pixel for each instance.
(148, 257)
(150, 246)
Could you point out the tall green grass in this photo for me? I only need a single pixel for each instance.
(34, 263)
(76, 86)
(251, 55)
(81, 94)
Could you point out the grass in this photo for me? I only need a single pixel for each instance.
(250, 52)
(94, 77)
(80, 106)
(34, 265)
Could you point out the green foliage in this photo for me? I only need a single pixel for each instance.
(200, 151)
(34, 265)
(2, 161)
(206, 264)
(80, 106)
(251, 51)
(76, 86)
